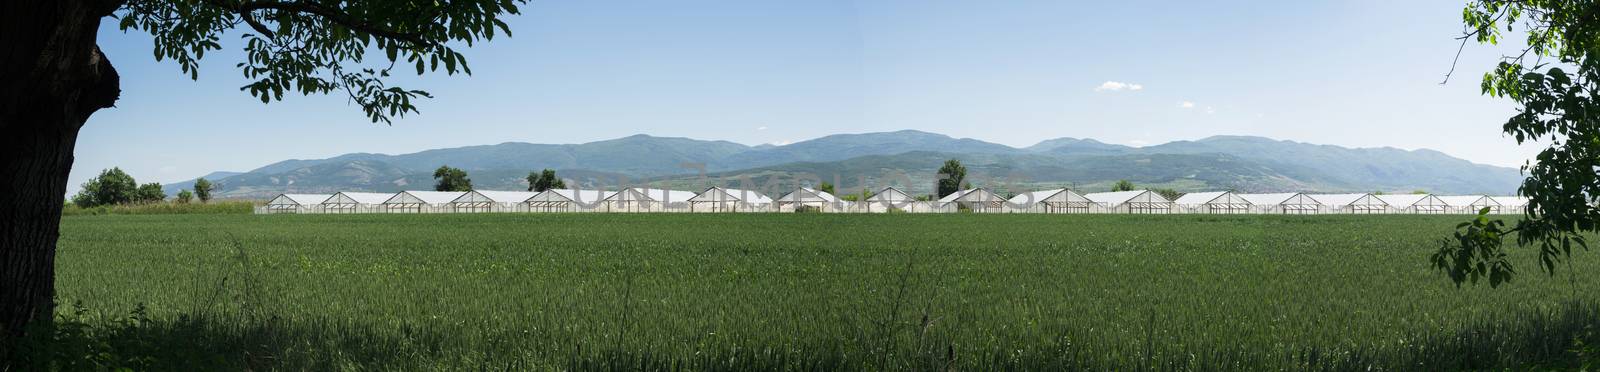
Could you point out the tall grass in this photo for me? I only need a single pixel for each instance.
(213, 207)
(801, 291)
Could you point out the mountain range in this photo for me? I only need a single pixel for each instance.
(907, 158)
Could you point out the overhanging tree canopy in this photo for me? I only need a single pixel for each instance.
(1555, 80)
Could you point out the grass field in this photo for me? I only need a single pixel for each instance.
(782, 291)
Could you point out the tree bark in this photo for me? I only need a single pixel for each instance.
(52, 77)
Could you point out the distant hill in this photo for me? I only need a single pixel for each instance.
(1215, 163)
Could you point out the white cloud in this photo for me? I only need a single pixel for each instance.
(1117, 86)
(761, 128)
(1186, 104)
(1138, 143)
(782, 143)
(1210, 110)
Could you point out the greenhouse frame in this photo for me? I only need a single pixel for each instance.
(1132, 202)
(1216, 202)
(1052, 201)
(1283, 203)
(355, 202)
(1352, 203)
(422, 201)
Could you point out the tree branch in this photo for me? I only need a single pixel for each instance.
(332, 15)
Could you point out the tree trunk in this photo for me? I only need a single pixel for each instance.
(52, 77)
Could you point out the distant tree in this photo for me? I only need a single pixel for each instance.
(1123, 185)
(202, 189)
(1555, 79)
(1170, 194)
(112, 186)
(545, 180)
(184, 196)
(952, 177)
(451, 179)
(1419, 192)
(825, 187)
(150, 193)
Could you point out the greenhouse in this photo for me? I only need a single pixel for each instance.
(566, 200)
(296, 203)
(422, 201)
(484, 201)
(892, 199)
(1352, 203)
(1051, 201)
(887, 199)
(1217, 202)
(637, 199)
(1512, 204)
(979, 200)
(1283, 203)
(355, 202)
(806, 197)
(1134, 202)
(717, 199)
(1470, 203)
(1415, 203)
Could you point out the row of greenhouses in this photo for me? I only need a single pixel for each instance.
(888, 199)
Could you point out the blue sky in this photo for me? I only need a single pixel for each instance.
(1359, 73)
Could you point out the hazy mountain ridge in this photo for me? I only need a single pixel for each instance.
(1219, 162)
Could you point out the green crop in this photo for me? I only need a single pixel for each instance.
(801, 291)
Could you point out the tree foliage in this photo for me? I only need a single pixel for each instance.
(825, 187)
(112, 186)
(149, 193)
(545, 180)
(952, 177)
(1555, 79)
(184, 196)
(1123, 185)
(451, 179)
(321, 46)
(202, 189)
(1169, 194)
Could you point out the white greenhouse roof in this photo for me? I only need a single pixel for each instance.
(891, 195)
(1511, 201)
(358, 198)
(1406, 200)
(424, 197)
(1198, 198)
(480, 196)
(299, 199)
(571, 195)
(653, 195)
(716, 194)
(1118, 197)
(1054, 196)
(971, 195)
(1468, 200)
(807, 195)
(1347, 199)
(1267, 199)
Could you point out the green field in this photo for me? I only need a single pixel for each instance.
(801, 291)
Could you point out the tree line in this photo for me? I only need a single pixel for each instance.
(114, 186)
(448, 178)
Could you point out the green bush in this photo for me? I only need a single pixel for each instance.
(219, 207)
